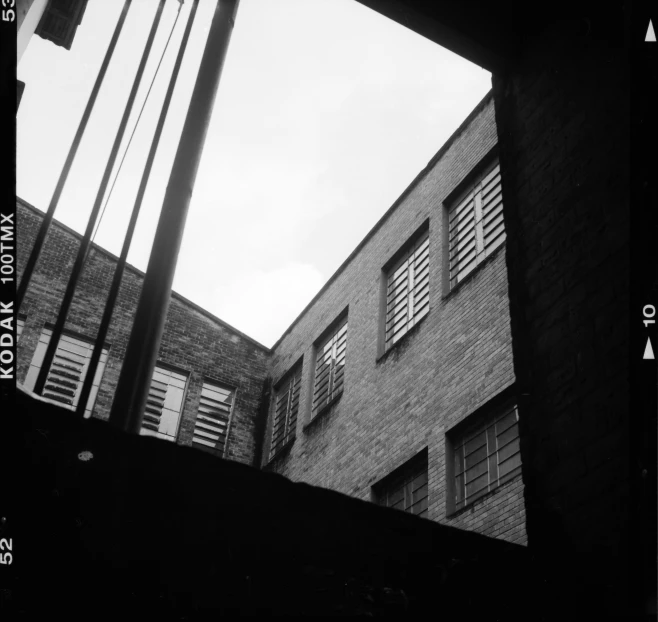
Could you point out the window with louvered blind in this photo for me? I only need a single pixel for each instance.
(212, 419)
(487, 456)
(476, 227)
(406, 488)
(60, 21)
(164, 404)
(329, 369)
(407, 291)
(68, 370)
(286, 407)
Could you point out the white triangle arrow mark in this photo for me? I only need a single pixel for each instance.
(648, 351)
(651, 34)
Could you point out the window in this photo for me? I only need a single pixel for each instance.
(164, 404)
(407, 291)
(476, 225)
(68, 371)
(329, 370)
(486, 457)
(60, 21)
(406, 488)
(211, 426)
(285, 410)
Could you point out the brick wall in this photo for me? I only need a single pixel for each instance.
(194, 341)
(562, 113)
(456, 360)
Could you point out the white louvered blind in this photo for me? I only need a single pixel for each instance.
(164, 404)
(211, 426)
(329, 370)
(285, 411)
(407, 291)
(68, 370)
(476, 226)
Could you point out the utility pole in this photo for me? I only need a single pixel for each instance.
(142, 351)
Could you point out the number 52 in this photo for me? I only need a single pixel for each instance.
(5, 558)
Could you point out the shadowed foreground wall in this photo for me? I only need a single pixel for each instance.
(118, 524)
(562, 115)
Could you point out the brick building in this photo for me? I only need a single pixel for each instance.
(209, 376)
(395, 384)
(561, 82)
(423, 416)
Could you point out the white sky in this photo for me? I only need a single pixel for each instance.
(325, 112)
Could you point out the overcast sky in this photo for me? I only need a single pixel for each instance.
(326, 111)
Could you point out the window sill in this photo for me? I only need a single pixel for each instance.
(472, 504)
(282, 452)
(323, 412)
(395, 347)
(473, 272)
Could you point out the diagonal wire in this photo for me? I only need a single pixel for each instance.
(125, 153)
(121, 262)
(42, 233)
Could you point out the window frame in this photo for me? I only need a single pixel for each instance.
(201, 438)
(164, 369)
(403, 479)
(471, 190)
(72, 339)
(416, 254)
(482, 423)
(290, 386)
(334, 337)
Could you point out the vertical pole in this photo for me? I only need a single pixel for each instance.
(78, 265)
(121, 264)
(48, 218)
(142, 351)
